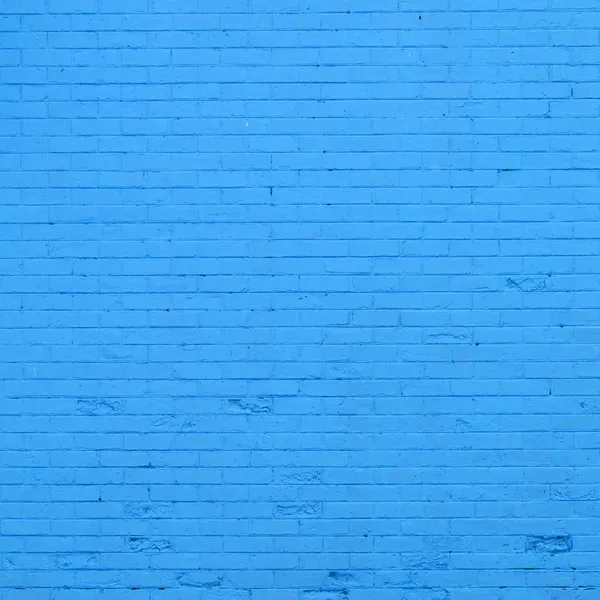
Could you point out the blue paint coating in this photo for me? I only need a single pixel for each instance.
(300, 300)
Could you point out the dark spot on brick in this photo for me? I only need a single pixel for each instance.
(337, 576)
(250, 405)
(137, 544)
(548, 544)
(301, 477)
(298, 509)
(325, 593)
(463, 424)
(204, 580)
(145, 510)
(528, 284)
(99, 406)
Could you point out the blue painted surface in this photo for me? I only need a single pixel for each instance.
(300, 300)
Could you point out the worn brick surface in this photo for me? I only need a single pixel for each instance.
(300, 299)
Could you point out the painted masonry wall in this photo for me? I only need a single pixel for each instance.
(300, 300)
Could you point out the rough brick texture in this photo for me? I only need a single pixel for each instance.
(300, 299)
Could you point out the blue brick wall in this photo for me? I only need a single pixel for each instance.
(300, 300)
